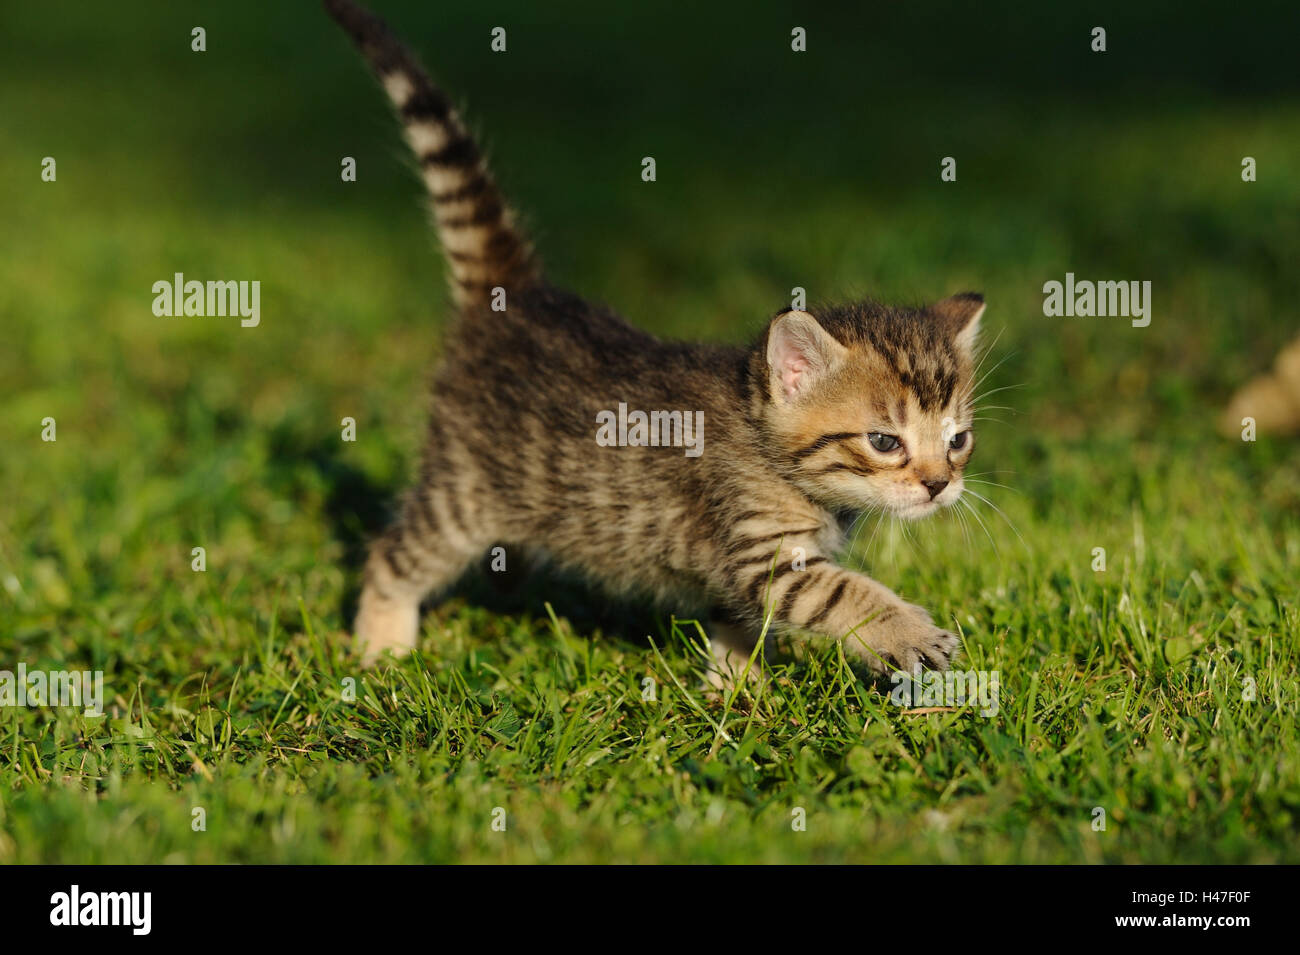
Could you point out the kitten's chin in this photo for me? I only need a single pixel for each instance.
(923, 509)
(916, 512)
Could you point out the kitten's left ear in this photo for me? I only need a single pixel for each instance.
(800, 354)
(959, 316)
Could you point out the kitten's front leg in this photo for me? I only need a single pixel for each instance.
(873, 623)
(732, 646)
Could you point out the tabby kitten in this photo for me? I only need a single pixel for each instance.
(832, 411)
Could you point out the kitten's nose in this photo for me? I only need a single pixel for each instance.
(935, 487)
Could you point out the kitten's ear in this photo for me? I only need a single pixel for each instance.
(959, 315)
(800, 353)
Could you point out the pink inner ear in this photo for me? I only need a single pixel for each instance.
(791, 362)
(793, 367)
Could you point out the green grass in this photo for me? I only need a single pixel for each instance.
(229, 689)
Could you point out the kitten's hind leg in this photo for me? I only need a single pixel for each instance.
(426, 550)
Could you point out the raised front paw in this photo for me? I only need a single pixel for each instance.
(902, 637)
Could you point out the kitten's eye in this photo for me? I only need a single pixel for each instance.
(958, 440)
(882, 442)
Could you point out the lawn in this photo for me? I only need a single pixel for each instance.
(1162, 689)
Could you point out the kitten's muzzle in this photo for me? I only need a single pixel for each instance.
(935, 487)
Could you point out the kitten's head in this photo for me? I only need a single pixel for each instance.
(870, 405)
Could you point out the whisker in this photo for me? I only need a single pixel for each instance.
(859, 523)
(975, 514)
(907, 535)
(965, 528)
(856, 521)
(993, 391)
(988, 351)
(1001, 514)
(974, 480)
(879, 520)
(986, 374)
(894, 534)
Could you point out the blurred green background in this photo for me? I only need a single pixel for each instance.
(775, 169)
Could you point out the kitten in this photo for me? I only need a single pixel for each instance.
(832, 411)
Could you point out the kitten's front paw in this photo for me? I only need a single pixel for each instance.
(732, 649)
(902, 638)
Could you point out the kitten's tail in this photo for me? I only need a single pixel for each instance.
(484, 248)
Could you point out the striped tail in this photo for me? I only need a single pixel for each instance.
(477, 230)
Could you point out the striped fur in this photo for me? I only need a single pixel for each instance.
(483, 246)
(750, 528)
